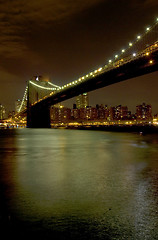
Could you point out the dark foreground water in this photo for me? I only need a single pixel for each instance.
(71, 184)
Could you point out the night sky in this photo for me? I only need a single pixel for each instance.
(65, 39)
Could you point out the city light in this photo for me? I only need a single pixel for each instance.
(46, 88)
(95, 72)
(54, 85)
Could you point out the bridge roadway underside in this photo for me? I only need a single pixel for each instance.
(38, 116)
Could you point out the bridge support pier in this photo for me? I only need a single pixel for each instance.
(38, 117)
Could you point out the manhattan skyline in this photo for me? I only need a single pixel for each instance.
(64, 40)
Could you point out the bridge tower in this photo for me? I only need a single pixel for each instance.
(38, 115)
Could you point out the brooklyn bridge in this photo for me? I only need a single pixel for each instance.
(138, 58)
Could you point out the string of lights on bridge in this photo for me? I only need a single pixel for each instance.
(36, 85)
(116, 61)
(46, 88)
(24, 98)
(109, 65)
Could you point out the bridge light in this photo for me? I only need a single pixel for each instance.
(116, 56)
(148, 28)
(147, 53)
(87, 75)
(99, 69)
(82, 77)
(134, 54)
(110, 61)
(91, 73)
(123, 50)
(130, 44)
(151, 61)
(138, 37)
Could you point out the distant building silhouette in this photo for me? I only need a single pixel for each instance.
(144, 112)
(2, 112)
(82, 101)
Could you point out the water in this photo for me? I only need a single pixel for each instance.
(76, 184)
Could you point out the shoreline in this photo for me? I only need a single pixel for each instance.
(115, 128)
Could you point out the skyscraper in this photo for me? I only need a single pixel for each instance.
(17, 105)
(144, 112)
(82, 101)
(2, 112)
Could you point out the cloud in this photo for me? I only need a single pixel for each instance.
(151, 3)
(19, 17)
(143, 3)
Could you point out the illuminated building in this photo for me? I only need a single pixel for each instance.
(83, 112)
(144, 112)
(82, 101)
(75, 113)
(11, 114)
(2, 112)
(125, 114)
(91, 113)
(17, 105)
(111, 113)
(60, 114)
(101, 111)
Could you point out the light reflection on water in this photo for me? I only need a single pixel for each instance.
(70, 184)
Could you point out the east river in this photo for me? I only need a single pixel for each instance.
(78, 184)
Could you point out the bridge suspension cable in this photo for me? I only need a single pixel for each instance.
(24, 99)
(53, 85)
(143, 44)
(39, 86)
